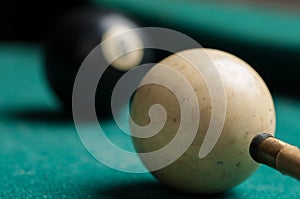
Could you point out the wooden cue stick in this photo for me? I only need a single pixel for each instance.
(277, 154)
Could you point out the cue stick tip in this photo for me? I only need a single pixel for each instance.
(266, 149)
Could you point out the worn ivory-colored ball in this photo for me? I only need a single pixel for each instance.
(249, 111)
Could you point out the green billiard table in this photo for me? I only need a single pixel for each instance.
(42, 156)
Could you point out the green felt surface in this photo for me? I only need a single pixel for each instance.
(247, 23)
(266, 37)
(41, 155)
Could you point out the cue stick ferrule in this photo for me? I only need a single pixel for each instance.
(277, 154)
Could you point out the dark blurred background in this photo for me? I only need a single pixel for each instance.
(29, 20)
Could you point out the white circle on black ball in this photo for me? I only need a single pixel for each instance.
(122, 47)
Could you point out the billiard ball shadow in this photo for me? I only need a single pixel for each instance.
(150, 190)
(41, 115)
(58, 115)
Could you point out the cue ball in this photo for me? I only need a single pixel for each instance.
(75, 35)
(249, 111)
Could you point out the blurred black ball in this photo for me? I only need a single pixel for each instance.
(71, 40)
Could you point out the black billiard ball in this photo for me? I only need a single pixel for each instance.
(71, 40)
